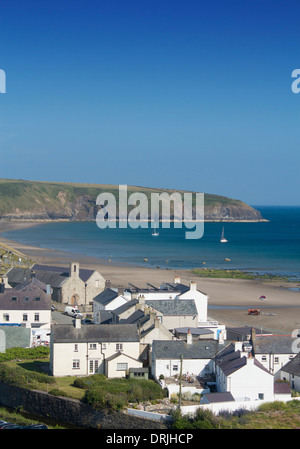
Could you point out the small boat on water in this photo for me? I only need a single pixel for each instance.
(155, 233)
(223, 239)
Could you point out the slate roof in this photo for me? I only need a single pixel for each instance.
(193, 330)
(49, 275)
(67, 333)
(293, 366)
(201, 349)
(282, 388)
(230, 360)
(219, 397)
(174, 307)
(106, 296)
(84, 273)
(275, 344)
(25, 297)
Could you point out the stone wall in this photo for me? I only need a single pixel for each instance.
(70, 411)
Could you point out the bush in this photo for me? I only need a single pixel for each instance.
(272, 406)
(57, 392)
(39, 352)
(116, 393)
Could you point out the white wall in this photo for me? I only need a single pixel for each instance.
(249, 381)
(16, 316)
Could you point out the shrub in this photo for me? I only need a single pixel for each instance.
(57, 392)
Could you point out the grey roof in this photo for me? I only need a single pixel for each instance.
(193, 330)
(49, 275)
(200, 349)
(275, 344)
(219, 397)
(106, 296)
(230, 360)
(174, 306)
(27, 296)
(125, 307)
(67, 333)
(282, 388)
(84, 273)
(293, 366)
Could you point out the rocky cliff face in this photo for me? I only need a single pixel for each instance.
(26, 200)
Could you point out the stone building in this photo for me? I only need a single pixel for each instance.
(70, 286)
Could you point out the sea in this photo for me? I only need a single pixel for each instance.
(271, 247)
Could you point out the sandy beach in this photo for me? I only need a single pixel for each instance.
(280, 312)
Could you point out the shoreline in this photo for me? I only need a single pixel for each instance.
(278, 316)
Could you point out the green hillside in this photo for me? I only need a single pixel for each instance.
(21, 199)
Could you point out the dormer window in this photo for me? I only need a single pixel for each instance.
(37, 298)
(14, 298)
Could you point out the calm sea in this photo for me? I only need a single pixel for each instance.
(272, 247)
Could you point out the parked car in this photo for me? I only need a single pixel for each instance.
(36, 426)
(86, 321)
(10, 426)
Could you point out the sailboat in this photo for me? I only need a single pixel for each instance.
(155, 233)
(223, 240)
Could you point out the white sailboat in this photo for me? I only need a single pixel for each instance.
(155, 233)
(223, 240)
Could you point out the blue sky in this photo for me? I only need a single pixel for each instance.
(177, 94)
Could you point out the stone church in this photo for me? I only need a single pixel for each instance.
(69, 286)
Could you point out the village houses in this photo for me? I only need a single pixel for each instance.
(163, 332)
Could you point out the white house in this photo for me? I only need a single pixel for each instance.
(27, 305)
(273, 351)
(83, 350)
(195, 357)
(109, 299)
(239, 373)
(291, 372)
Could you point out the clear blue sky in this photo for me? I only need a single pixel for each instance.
(178, 94)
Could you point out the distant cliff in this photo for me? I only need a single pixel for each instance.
(35, 200)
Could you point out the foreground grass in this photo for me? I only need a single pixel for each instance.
(274, 415)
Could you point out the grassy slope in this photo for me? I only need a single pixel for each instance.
(36, 195)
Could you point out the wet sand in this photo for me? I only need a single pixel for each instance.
(280, 312)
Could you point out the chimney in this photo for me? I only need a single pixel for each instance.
(107, 284)
(189, 337)
(2, 287)
(193, 285)
(77, 323)
(48, 289)
(120, 290)
(156, 323)
(32, 274)
(176, 280)
(141, 303)
(253, 340)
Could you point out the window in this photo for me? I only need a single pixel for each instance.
(37, 298)
(93, 346)
(36, 317)
(5, 317)
(14, 298)
(276, 360)
(93, 366)
(122, 366)
(76, 347)
(261, 396)
(76, 364)
(264, 358)
(119, 346)
(175, 367)
(25, 317)
(26, 298)
(103, 345)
